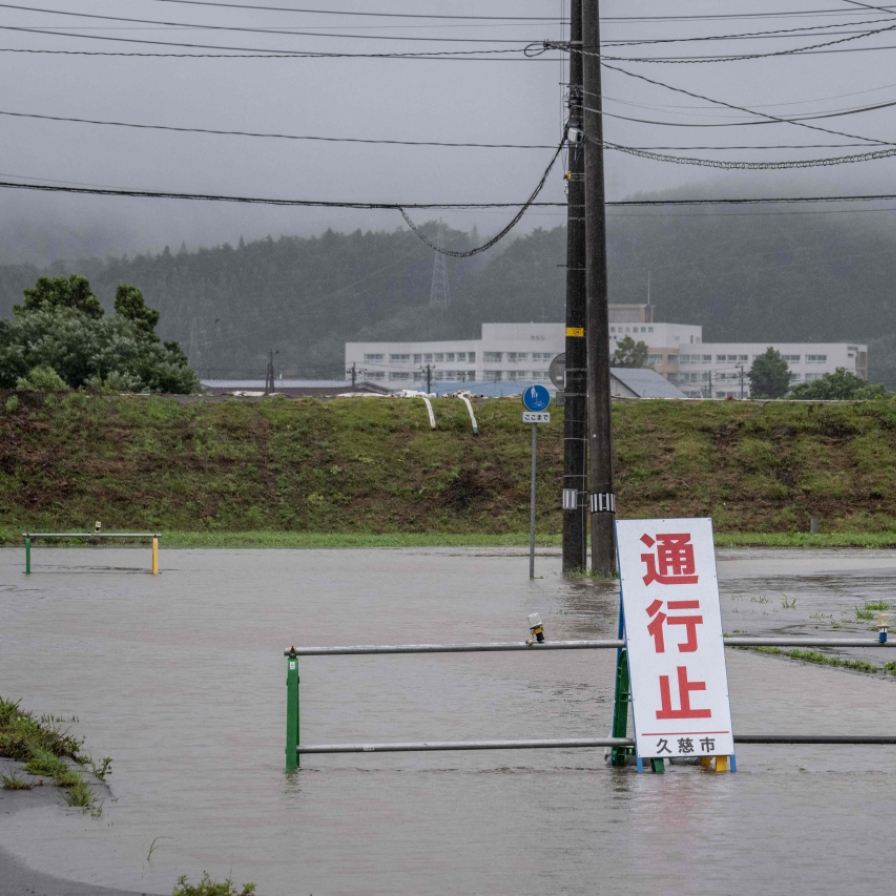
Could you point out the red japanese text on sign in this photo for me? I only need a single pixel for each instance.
(655, 627)
(673, 563)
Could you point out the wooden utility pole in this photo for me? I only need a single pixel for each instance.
(575, 387)
(269, 375)
(600, 442)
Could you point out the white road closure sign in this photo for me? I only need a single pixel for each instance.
(673, 635)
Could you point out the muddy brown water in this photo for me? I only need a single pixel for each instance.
(180, 679)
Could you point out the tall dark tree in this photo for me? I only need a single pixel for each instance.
(629, 353)
(53, 293)
(769, 376)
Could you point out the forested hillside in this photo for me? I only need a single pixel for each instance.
(743, 275)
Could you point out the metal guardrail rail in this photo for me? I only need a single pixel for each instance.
(154, 536)
(618, 745)
(535, 646)
(580, 743)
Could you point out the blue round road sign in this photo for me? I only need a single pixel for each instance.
(536, 398)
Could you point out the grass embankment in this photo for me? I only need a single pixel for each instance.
(370, 472)
(46, 751)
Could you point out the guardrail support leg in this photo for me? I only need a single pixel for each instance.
(620, 709)
(27, 556)
(155, 556)
(292, 711)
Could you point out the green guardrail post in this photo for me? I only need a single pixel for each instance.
(620, 710)
(292, 710)
(27, 555)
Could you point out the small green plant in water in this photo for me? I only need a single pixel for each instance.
(209, 887)
(870, 609)
(104, 769)
(14, 782)
(787, 603)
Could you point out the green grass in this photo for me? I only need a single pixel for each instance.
(14, 782)
(826, 659)
(208, 887)
(46, 751)
(267, 539)
(350, 472)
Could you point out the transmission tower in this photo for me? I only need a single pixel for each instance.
(438, 292)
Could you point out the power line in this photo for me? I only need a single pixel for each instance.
(217, 132)
(502, 233)
(243, 29)
(755, 166)
(397, 206)
(448, 56)
(739, 15)
(734, 57)
(699, 96)
(736, 124)
(342, 12)
(779, 32)
(285, 54)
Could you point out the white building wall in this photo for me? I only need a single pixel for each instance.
(505, 353)
(523, 353)
(716, 367)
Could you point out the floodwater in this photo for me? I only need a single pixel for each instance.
(180, 679)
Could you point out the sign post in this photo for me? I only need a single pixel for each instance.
(674, 641)
(535, 400)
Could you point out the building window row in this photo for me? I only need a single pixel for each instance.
(374, 359)
(445, 358)
(695, 359)
(816, 359)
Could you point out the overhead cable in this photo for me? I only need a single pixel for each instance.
(699, 96)
(217, 132)
(353, 13)
(401, 208)
(752, 166)
(284, 54)
(778, 32)
(738, 124)
(734, 57)
(648, 152)
(396, 206)
(252, 30)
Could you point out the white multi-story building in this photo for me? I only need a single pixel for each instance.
(523, 353)
(719, 369)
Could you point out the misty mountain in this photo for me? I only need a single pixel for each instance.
(744, 275)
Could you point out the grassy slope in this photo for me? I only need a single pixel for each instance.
(373, 467)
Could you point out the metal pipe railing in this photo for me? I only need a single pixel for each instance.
(608, 644)
(294, 749)
(91, 535)
(153, 536)
(583, 743)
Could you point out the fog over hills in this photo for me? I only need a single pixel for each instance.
(756, 273)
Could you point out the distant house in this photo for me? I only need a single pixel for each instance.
(291, 388)
(641, 382)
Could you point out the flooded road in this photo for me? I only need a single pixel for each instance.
(180, 679)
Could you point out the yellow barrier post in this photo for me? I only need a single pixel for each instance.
(155, 556)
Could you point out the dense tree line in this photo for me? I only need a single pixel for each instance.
(743, 277)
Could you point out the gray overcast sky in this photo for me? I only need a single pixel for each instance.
(503, 101)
